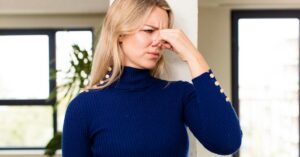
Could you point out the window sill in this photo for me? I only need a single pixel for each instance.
(26, 153)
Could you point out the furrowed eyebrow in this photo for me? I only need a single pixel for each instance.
(152, 26)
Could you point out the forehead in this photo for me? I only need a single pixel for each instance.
(158, 18)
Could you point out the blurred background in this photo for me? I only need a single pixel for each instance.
(252, 46)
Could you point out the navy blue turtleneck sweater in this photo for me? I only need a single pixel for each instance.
(141, 116)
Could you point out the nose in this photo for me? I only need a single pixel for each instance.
(156, 42)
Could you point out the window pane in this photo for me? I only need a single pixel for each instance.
(25, 126)
(268, 87)
(64, 42)
(24, 66)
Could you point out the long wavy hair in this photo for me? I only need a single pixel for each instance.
(123, 17)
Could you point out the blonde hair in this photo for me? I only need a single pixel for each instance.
(123, 17)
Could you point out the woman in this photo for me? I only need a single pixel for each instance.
(128, 111)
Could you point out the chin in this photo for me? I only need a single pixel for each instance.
(149, 66)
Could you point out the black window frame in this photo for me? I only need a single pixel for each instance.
(237, 14)
(52, 65)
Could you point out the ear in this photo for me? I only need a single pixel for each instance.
(121, 38)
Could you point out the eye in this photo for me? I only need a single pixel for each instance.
(148, 30)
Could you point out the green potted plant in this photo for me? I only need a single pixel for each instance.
(76, 79)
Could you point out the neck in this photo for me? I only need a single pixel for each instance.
(133, 79)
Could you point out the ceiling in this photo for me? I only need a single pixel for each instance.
(22, 7)
(249, 3)
(53, 6)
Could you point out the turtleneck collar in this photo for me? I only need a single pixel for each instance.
(133, 78)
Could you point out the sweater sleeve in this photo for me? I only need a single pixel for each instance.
(210, 116)
(75, 141)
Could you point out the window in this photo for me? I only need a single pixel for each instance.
(19, 52)
(266, 81)
(27, 118)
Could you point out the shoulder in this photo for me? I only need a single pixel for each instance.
(77, 112)
(79, 103)
(81, 97)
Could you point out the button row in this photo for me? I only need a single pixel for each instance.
(211, 75)
(107, 75)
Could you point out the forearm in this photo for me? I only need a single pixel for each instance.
(210, 116)
(197, 63)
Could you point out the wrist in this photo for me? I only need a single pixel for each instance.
(197, 64)
(193, 57)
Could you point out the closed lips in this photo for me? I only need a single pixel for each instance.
(155, 53)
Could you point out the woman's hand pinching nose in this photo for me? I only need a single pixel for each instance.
(162, 43)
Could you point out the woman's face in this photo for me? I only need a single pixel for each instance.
(138, 48)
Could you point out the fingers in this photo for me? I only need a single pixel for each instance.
(161, 42)
(164, 45)
(167, 46)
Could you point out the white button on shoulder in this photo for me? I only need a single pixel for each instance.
(211, 75)
(222, 90)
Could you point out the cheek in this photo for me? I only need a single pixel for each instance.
(137, 45)
(142, 40)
